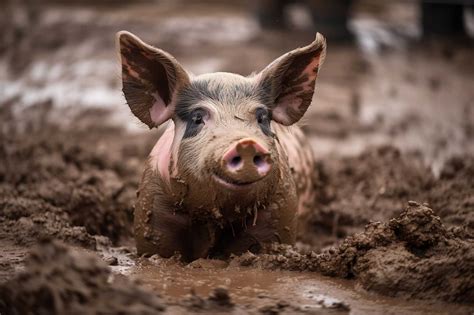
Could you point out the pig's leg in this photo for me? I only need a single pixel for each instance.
(160, 228)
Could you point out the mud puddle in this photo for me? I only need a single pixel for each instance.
(250, 286)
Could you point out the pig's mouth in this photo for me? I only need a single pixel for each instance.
(231, 183)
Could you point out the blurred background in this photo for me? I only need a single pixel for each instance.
(396, 72)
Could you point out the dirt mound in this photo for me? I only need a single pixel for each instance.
(59, 280)
(375, 186)
(67, 182)
(413, 255)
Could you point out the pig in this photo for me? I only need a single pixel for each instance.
(231, 171)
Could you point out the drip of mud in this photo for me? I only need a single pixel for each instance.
(250, 286)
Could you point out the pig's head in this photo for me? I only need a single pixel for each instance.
(224, 143)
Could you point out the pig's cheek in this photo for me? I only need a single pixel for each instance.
(161, 154)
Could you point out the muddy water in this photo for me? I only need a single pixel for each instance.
(253, 286)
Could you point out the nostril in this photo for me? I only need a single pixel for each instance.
(257, 160)
(262, 165)
(235, 161)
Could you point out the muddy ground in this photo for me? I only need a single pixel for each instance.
(392, 129)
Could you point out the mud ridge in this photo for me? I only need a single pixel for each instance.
(375, 186)
(414, 255)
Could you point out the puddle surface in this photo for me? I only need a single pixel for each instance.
(309, 290)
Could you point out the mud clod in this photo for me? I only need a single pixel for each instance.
(418, 226)
(280, 307)
(412, 255)
(422, 261)
(59, 280)
(219, 300)
(221, 297)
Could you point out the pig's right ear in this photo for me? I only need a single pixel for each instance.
(290, 81)
(150, 79)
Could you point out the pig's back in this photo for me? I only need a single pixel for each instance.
(301, 161)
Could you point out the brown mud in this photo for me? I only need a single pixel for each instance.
(62, 280)
(413, 255)
(376, 185)
(386, 129)
(55, 184)
(85, 199)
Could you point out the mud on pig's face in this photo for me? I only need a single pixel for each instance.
(224, 123)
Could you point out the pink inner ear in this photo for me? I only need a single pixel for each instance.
(159, 112)
(292, 102)
(288, 103)
(309, 70)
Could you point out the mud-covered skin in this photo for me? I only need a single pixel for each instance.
(222, 177)
(165, 222)
(301, 161)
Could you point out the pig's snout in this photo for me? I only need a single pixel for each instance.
(246, 161)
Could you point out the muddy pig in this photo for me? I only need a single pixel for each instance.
(231, 171)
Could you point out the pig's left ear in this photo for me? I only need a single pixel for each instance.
(150, 79)
(290, 81)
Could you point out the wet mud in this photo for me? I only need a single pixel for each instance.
(413, 255)
(61, 280)
(54, 184)
(376, 185)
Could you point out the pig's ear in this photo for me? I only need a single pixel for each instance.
(150, 79)
(290, 81)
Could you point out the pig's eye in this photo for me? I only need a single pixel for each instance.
(262, 116)
(197, 119)
(195, 122)
(263, 120)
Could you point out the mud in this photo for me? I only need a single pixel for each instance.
(86, 199)
(386, 128)
(54, 182)
(262, 284)
(375, 186)
(61, 280)
(414, 255)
